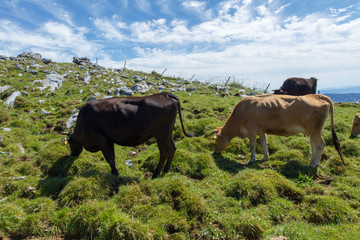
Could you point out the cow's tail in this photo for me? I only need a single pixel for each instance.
(179, 108)
(336, 141)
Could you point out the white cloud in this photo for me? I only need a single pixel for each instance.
(144, 5)
(52, 38)
(110, 30)
(194, 4)
(336, 12)
(236, 37)
(266, 48)
(262, 10)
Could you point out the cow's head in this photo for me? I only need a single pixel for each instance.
(356, 126)
(75, 147)
(279, 92)
(222, 141)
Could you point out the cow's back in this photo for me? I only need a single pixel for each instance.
(125, 121)
(282, 114)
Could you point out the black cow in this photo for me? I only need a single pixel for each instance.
(127, 121)
(297, 86)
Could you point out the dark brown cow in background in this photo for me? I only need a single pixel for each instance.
(127, 121)
(297, 86)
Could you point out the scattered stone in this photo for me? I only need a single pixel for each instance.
(97, 94)
(142, 88)
(1, 138)
(123, 91)
(17, 178)
(190, 89)
(41, 101)
(46, 60)
(129, 163)
(19, 67)
(6, 153)
(222, 89)
(137, 78)
(124, 76)
(91, 99)
(4, 88)
(72, 120)
(44, 112)
(81, 61)
(93, 72)
(21, 148)
(53, 81)
(75, 110)
(87, 78)
(35, 56)
(164, 82)
(11, 100)
(151, 84)
(66, 75)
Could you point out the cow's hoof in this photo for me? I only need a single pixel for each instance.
(250, 163)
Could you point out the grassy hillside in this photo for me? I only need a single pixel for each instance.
(45, 193)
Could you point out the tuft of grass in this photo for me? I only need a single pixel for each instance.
(262, 186)
(4, 115)
(250, 224)
(295, 169)
(101, 220)
(328, 209)
(81, 189)
(176, 191)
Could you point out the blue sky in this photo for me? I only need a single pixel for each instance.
(254, 41)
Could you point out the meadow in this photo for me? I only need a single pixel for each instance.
(47, 194)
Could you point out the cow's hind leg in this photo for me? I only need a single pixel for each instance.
(265, 146)
(167, 150)
(317, 148)
(107, 149)
(161, 163)
(171, 152)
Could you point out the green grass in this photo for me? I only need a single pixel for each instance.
(45, 193)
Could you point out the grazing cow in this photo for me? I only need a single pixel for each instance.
(127, 121)
(297, 86)
(355, 130)
(281, 115)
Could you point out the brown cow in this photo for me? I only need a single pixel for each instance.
(297, 86)
(281, 115)
(127, 121)
(355, 130)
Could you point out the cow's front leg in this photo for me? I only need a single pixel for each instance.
(107, 150)
(160, 165)
(265, 146)
(253, 148)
